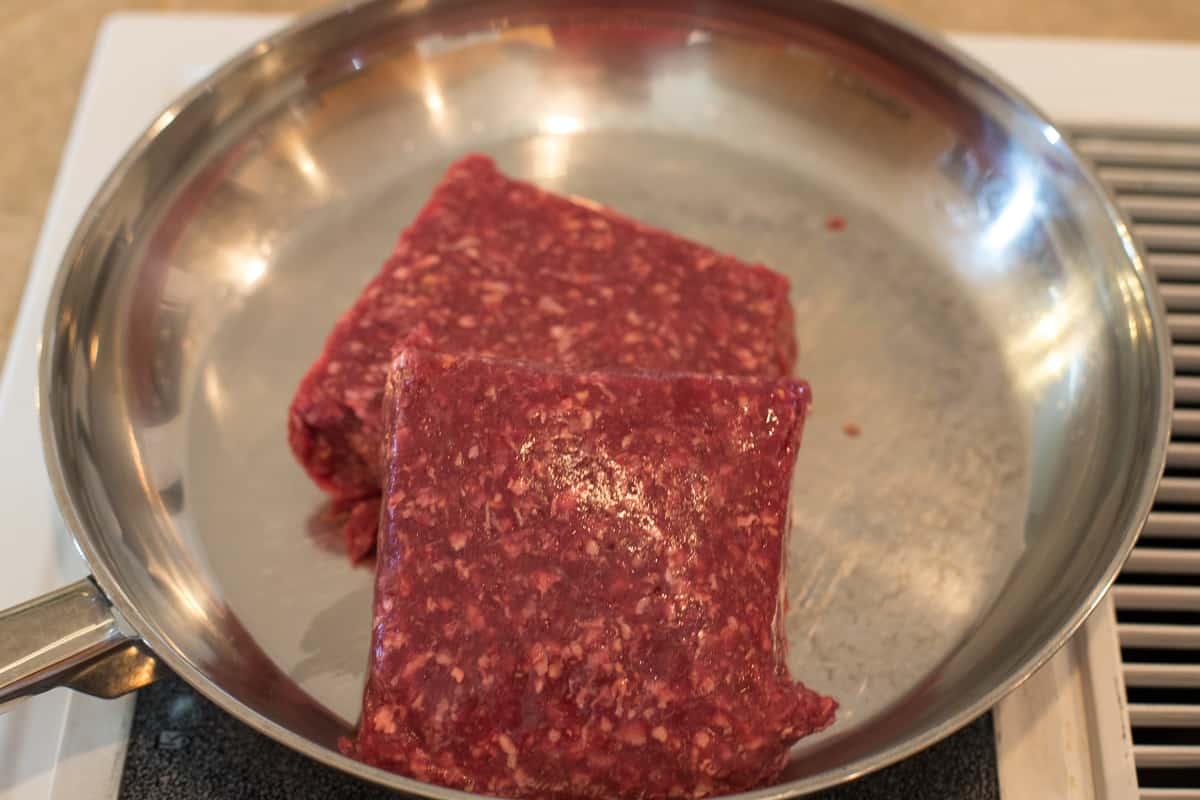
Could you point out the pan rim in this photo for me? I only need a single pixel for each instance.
(1141, 487)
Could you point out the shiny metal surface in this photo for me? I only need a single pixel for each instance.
(983, 317)
(49, 641)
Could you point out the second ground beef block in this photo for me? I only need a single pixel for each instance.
(499, 267)
(578, 585)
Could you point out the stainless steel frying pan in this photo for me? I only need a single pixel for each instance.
(982, 316)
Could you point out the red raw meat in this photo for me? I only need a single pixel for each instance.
(578, 586)
(498, 267)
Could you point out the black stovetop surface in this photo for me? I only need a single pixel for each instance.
(182, 747)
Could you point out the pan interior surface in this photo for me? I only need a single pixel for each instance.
(978, 320)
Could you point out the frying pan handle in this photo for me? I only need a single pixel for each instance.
(71, 637)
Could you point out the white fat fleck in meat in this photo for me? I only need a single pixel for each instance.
(549, 305)
(415, 664)
(510, 749)
(384, 720)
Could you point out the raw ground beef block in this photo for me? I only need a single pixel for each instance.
(498, 267)
(578, 582)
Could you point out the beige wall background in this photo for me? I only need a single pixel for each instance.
(45, 45)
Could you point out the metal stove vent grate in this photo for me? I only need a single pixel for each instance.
(1156, 179)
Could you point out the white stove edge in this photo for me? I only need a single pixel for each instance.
(1083, 83)
(82, 735)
